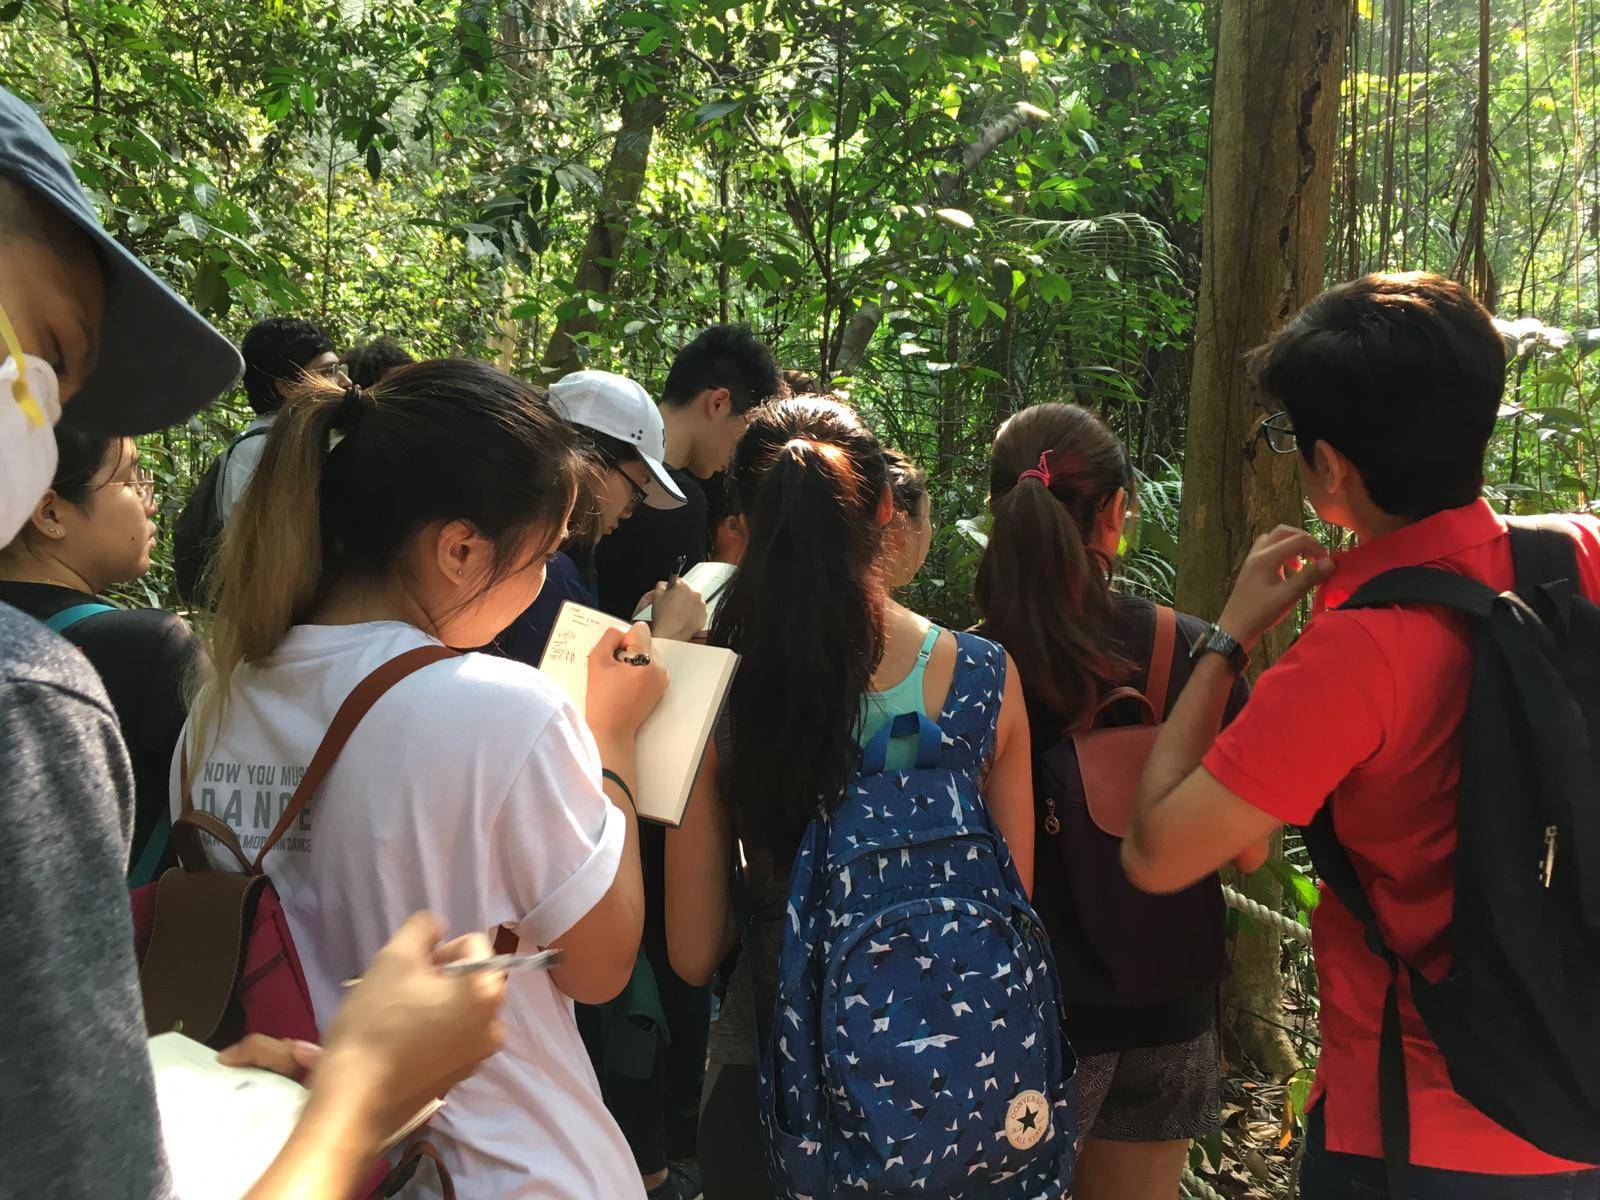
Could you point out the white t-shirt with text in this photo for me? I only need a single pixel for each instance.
(472, 789)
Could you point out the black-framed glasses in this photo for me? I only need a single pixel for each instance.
(640, 493)
(1280, 435)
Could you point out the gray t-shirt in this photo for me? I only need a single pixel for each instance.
(77, 1101)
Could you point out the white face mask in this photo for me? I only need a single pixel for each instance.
(30, 406)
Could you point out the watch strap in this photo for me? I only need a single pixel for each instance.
(1217, 640)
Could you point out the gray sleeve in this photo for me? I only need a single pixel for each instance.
(241, 464)
(79, 1107)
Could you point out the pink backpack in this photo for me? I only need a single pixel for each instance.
(216, 959)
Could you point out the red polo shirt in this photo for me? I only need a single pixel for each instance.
(1364, 712)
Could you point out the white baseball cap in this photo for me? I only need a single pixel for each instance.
(617, 406)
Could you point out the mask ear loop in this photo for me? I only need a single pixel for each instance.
(20, 391)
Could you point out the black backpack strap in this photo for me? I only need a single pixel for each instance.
(1425, 585)
(1333, 864)
(1545, 559)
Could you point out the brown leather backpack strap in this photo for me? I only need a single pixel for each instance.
(356, 705)
(1116, 696)
(396, 1180)
(186, 831)
(1159, 677)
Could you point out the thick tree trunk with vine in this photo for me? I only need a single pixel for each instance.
(1268, 188)
(619, 193)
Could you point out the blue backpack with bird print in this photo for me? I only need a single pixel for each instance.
(916, 1046)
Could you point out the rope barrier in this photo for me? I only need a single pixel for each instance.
(1198, 1188)
(1287, 926)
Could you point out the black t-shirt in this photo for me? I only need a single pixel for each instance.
(144, 657)
(646, 548)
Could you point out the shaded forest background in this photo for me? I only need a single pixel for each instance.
(947, 212)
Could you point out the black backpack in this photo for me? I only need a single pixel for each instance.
(1517, 1016)
(199, 525)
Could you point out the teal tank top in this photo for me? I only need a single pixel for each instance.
(879, 708)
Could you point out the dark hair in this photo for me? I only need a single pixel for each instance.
(732, 504)
(80, 460)
(276, 351)
(724, 356)
(1402, 374)
(366, 365)
(1043, 590)
(908, 483)
(805, 610)
(601, 453)
(441, 440)
(799, 383)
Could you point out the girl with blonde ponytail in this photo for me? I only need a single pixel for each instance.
(419, 513)
(1141, 1000)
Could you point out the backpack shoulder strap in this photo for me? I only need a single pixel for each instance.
(1545, 560)
(68, 617)
(1333, 863)
(1425, 585)
(356, 705)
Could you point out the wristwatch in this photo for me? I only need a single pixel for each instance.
(1217, 640)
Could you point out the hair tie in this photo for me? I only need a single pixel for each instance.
(1041, 472)
(352, 406)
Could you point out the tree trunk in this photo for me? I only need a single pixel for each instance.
(597, 265)
(1266, 225)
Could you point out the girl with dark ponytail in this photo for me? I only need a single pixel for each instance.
(412, 516)
(1141, 1010)
(827, 660)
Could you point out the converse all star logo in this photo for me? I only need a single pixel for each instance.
(1027, 1120)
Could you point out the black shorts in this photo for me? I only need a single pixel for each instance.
(1152, 1094)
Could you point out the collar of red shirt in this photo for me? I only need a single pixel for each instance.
(1441, 535)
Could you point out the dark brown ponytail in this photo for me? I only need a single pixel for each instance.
(1043, 590)
(805, 611)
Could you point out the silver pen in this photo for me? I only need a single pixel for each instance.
(506, 964)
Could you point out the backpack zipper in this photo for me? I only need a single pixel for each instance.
(1549, 867)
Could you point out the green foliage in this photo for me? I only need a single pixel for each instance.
(1002, 202)
(1546, 453)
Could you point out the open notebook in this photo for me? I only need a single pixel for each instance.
(673, 738)
(223, 1126)
(711, 580)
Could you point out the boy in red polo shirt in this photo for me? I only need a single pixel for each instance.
(1390, 387)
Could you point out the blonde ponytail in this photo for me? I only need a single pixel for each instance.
(267, 571)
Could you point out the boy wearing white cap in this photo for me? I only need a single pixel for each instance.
(625, 443)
